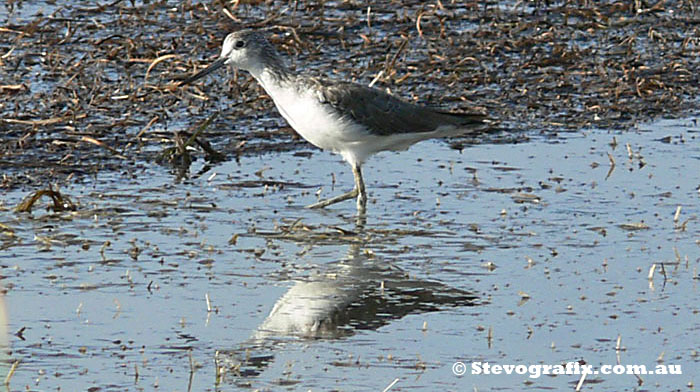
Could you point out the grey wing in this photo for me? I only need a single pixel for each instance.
(384, 114)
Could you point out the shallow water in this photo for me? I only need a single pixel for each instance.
(511, 254)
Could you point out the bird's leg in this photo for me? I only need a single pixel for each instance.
(360, 188)
(358, 191)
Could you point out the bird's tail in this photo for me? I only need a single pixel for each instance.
(464, 123)
(465, 119)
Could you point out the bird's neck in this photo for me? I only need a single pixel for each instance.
(279, 85)
(272, 75)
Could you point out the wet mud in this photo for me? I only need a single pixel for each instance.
(88, 87)
(153, 236)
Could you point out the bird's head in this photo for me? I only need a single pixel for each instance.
(245, 49)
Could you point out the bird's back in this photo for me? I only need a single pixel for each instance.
(383, 114)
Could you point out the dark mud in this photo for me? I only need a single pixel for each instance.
(87, 87)
(576, 246)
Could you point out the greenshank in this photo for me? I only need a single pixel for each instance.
(346, 118)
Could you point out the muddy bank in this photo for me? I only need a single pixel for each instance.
(87, 87)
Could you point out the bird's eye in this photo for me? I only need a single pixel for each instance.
(239, 44)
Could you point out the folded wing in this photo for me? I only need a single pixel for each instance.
(384, 114)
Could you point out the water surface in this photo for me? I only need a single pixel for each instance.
(527, 253)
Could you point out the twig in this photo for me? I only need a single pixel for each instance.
(150, 123)
(99, 143)
(612, 166)
(391, 385)
(663, 272)
(155, 62)
(580, 381)
(391, 63)
(376, 78)
(192, 369)
(60, 202)
(11, 372)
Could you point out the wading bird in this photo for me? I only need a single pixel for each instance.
(346, 118)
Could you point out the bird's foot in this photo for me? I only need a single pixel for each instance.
(336, 199)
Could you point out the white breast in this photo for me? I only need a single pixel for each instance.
(316, 122)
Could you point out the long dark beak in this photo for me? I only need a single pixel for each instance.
(206, 71)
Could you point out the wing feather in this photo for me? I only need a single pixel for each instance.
(384, 114)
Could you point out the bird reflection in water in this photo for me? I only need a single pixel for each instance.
(360, 292)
